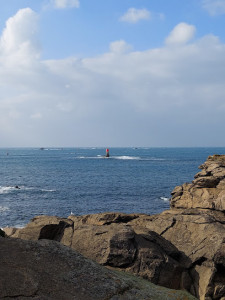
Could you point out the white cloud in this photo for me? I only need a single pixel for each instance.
(118, 98)
(119, 47)
(19, 38)
(181, 34)
(61, 4)
(134, 15)
(214, 7)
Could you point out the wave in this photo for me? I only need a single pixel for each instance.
(19, 226)
(50, 149)
(127, 157)
(7, 189)
(4, 208)
(165, 198)
(90, 157)
(121, 157)
(10, 189)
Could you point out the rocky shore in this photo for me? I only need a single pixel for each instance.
(182, 249)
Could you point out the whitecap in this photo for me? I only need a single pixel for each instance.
(3, 208)
(90, 157)
(165, 198)
(6, 189)
(125, 157)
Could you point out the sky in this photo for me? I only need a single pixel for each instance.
(112, 73)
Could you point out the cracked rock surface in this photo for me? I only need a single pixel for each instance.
(47, 270)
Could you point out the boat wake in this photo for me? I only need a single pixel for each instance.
(7, 189)
(121, 157)
(11, 189)
(125, 157)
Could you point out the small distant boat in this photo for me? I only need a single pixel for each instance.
(42, 148)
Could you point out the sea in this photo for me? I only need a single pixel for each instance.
(79, 181)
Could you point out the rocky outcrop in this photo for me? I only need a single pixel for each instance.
(182, 248)
(207, 190)
(48, 270)
(109, 240)
(199, 235)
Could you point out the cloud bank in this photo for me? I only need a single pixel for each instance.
(168, 96)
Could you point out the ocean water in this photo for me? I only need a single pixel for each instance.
(80, 180)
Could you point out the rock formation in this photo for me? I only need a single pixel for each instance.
(182, 248)
(48, 270)
(207, 190)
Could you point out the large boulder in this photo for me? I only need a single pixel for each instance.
(48, 270)
(48, 227)
(119, 246)
(108, 239)
(199, 235)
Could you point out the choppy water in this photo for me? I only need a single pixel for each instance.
(80, 180)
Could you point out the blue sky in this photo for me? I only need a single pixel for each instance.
(112, 73)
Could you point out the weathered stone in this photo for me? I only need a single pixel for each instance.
(107, 244)
(199, 235)
(10, 231)
(207, 190)
(207, 182)
(117, 245)
(102, 219)
(47, 270)
(43, 227)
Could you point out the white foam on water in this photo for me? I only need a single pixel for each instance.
(9, 189)
(125, 157)
(165, 198)
(4, 208)
(19, 226)
(90, 157)
(6, 189)
(46, 190)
